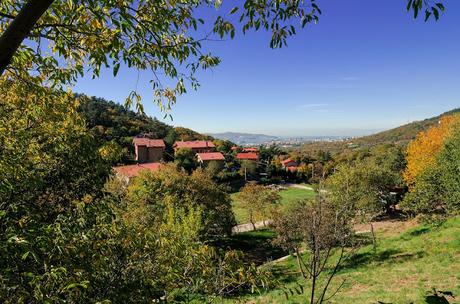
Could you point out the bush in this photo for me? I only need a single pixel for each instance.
(172, 187)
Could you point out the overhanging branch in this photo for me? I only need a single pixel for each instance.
(19, 29)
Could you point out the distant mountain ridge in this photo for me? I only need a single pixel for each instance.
(245, 138)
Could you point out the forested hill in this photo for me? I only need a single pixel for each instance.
(112, 122)
(401, 135)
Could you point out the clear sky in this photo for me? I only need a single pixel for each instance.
(366, 66)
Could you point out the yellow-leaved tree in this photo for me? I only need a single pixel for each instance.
(422, 151)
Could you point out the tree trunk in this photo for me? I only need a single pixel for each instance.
(251, 219)
(19, 29)
(374, 241)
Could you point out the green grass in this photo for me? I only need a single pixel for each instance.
(404, 268)
(292, 195)
(288, 198)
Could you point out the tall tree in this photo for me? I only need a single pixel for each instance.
(422, 152)
(258, 201)
(322, 230)
(362, 190)
(435, 192)
(185, 158)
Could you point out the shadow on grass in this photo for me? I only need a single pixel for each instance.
(388, 255)
(420, 231)
(256, 246)
(434, 297)
(362, 239)
(285, 274)
(415, 233)
(439, 297)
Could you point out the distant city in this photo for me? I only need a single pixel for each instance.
(247, 139)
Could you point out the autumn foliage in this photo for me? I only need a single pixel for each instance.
(422, 152)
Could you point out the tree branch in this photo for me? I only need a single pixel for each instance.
(19, 29)
(7, 15)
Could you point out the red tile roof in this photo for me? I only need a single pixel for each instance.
(210, 156)
(143, 141)
(196, 144)
(134, 170)
(287, 161)
(250, 150)
(234, 148)
(248, 156)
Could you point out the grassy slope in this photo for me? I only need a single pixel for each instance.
(288, 197)
(404, 267)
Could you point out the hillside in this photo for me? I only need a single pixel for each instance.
(409, 262)
(401, 136)
(110, 121)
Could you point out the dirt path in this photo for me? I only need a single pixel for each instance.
(300, 187)
(248, 226)
(387, 227)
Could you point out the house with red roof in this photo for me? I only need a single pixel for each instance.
(253, 150)
(247, 150)
(205, 158)
(197, 146)
(148, 150)
(251, 156)
(130, 171)
(290, 165)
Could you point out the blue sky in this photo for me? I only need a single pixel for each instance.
(366, 66)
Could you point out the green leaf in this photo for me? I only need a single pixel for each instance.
(435, 13)
(427, 15)
(316, 7)
(234, 10)
(440, 6)
(115, 69)
(304, 22)
(409, 4)
(25, 255)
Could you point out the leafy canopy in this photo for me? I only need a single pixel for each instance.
(259, 201)
(166, 37)
(172, 187)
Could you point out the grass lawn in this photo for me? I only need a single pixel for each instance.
(408, 263)
(288, 197)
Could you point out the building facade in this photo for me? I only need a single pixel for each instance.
(148, 150)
